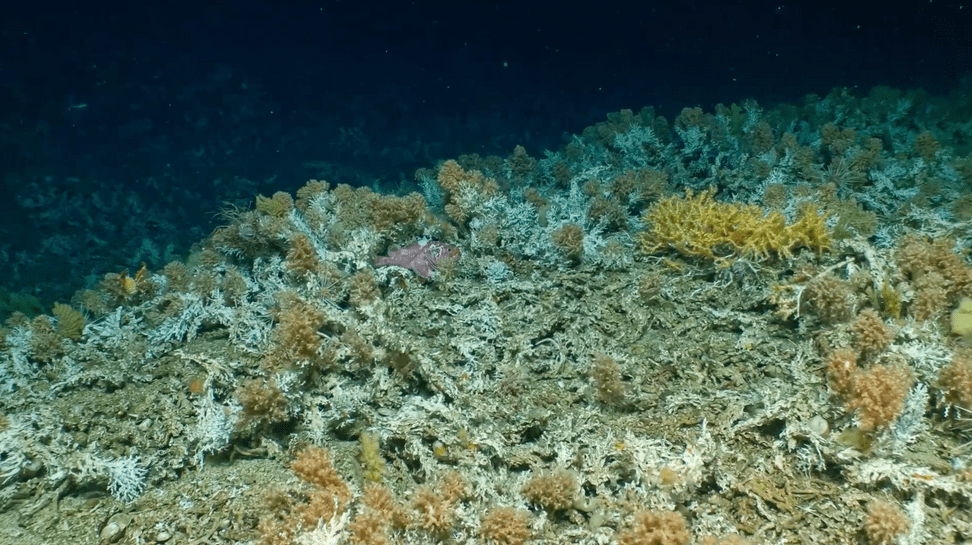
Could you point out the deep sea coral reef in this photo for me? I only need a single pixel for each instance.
(730, 327)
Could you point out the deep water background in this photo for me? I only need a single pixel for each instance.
(125, 127)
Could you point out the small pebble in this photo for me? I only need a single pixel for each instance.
(115, 529)
(596, 521)
(819, 425)
(31, 469)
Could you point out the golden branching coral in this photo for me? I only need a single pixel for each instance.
(956, 380)
(313, 465)
(554, 491)
(277, 206)
(302, 256)
(388, 212)
(939, 275)
(45, 342)
(306, 194)
(436, 507)
(295, 335)
(884, 523)
(457, 181)
(290, 515)
(569, 239)
(380, 514)
(879, 395)
(841, 368)
(830, 297)
(698, 225)
(606, 374)
(263, 403)
(873, 335)
(657, 528)
(505, 526)
(363, 288)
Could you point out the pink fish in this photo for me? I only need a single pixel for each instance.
(420, 259)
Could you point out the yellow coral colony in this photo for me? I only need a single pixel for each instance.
(962, 317)
(698, 225)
